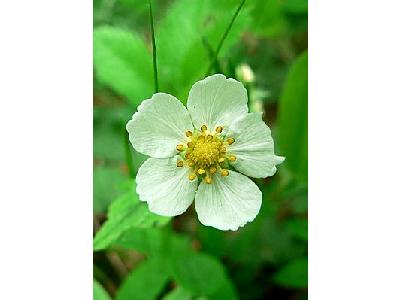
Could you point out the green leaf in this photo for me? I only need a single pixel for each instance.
(182, 55)
(268, 19)
(99, 293)
(298, 227)
(125, 213)
(106, 187)
(294, 274)
(295, 6)
(145, 282)
(292, 119)
(199, 273)
(178, 293)
(122, 62)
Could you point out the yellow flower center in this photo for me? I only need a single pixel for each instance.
(205, 153)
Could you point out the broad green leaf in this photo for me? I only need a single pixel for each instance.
(267, 18)
(200, 274)
(122, 62)
(178, 293)
(294, 274)
(107, 185)
(295, 6)
(226, 291)
(298, 228)
(145, 282)
(99, 293)
(181, 36)
(292, 119)
(125, 213)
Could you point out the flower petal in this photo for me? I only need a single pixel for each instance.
(159, 125)
(216, 101)
(253, 147)
(165, 187)
(228, 202)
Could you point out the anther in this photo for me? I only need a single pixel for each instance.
(218, 129)
(192, 176)
(203, 128)
(223, 150)
(179, 163)
(213, 170)
(189, 144)
(190, 164)
(189, 133)
(179, 147)
(201, 171)
(232, 158)
(224, 172)
(208, 180)
(209, 137)
(230, 141)
(221, 159)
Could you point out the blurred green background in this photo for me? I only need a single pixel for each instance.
(139, 255)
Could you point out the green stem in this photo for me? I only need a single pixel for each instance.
(221, 42)
(153, 39)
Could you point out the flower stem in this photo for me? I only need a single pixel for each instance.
(153, 39)
(221, 42)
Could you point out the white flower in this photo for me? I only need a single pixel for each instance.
(193, 151)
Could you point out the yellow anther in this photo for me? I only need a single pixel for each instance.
(190, 164)
(189, 133)
(230, 141)
(232, 158)
(209, 137)
(192, 176)
(201, 171)
(218, 129)
(203, 128)
(223, 150)
(208, 180)
(213, 170)
(224, 172)
(179, 147)
(221, 159)
(189, 144)
(179, 163)
(187, 155)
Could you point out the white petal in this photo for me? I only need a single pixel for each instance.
(159, 125)
(228, 202)
(216, 101)
(165, 187)
(253, 147)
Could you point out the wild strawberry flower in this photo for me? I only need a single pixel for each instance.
(193, 153)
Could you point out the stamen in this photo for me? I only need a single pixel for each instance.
(224, 172)
(189, 144)
(179, 147)
(201, 171)
(213, 170)
(203, 128)
(209, 137)
(218, 129)
(190, 164)
(192, 176)
(189, 133)
(232, 158)
(208, 180)
(221, 159)
(179, 164)
(230, 141)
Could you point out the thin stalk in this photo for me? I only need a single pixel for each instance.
(221, 42)
(153, 40)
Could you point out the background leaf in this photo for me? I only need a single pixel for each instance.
(293, 119)
(99, 293)
(122, 62)
(294, 274)
(125, 213)
(145, 282)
